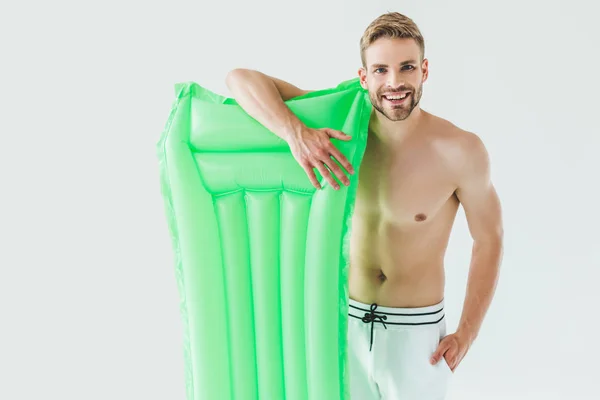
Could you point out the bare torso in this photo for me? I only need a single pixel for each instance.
(404, 212)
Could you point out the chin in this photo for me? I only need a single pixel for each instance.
(397, 116)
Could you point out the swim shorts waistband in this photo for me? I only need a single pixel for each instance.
(397, 315)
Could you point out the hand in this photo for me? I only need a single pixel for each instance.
(453, 348)
(312, 148)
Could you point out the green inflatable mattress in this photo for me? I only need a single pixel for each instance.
(261, 256)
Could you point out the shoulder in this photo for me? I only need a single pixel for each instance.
(452, 134)
(464, 151)
(455, 138)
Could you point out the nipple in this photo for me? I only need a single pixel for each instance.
(420, 217)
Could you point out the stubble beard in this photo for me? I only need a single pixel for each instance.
(396, 113)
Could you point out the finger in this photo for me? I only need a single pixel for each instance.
(332, 165)
(338, 134)
(450, 356)
(326, 174)
(341, 159)
(439, 353)
(451, 361)
(311, 175)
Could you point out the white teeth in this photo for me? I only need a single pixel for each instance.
(396, 97)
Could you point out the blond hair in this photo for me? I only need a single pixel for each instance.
(391, 25)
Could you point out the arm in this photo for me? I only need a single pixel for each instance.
(484, 217)
(262, 97)
(475, 191)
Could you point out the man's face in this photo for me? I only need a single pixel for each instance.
(394, 70)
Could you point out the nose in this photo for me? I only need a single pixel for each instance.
(394, 80)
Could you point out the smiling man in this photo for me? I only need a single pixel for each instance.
(417, 169)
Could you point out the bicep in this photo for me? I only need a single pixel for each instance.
(287, 90)
(477, 194)
(244, 76)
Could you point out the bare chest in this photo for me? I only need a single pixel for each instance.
(408, 185)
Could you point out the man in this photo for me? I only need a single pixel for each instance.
(416, 170)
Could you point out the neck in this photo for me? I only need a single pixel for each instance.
(396, 131)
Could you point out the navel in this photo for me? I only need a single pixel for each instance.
(420, 217)
(382, 276)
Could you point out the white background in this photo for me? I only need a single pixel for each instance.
(88, 298)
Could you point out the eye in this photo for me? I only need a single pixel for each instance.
(409, 66)
(379, 69)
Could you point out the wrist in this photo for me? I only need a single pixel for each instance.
(466, 332)
(292, 130)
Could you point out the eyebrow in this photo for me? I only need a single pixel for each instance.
(401, 64)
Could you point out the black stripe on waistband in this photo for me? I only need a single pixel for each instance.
(403, 314)
(404, 323)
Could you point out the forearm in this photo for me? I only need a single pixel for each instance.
(481, 285)
(258, 95)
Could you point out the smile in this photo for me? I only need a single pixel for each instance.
(397, 99)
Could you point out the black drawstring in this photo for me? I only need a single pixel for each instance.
(371, 317)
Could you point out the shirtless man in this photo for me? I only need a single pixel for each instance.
(416, 170)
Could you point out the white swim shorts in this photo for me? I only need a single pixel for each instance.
(389, 349)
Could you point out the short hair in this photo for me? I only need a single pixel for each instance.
(391, 25)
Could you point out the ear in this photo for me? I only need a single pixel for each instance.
(362, 74)
(425, 68)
